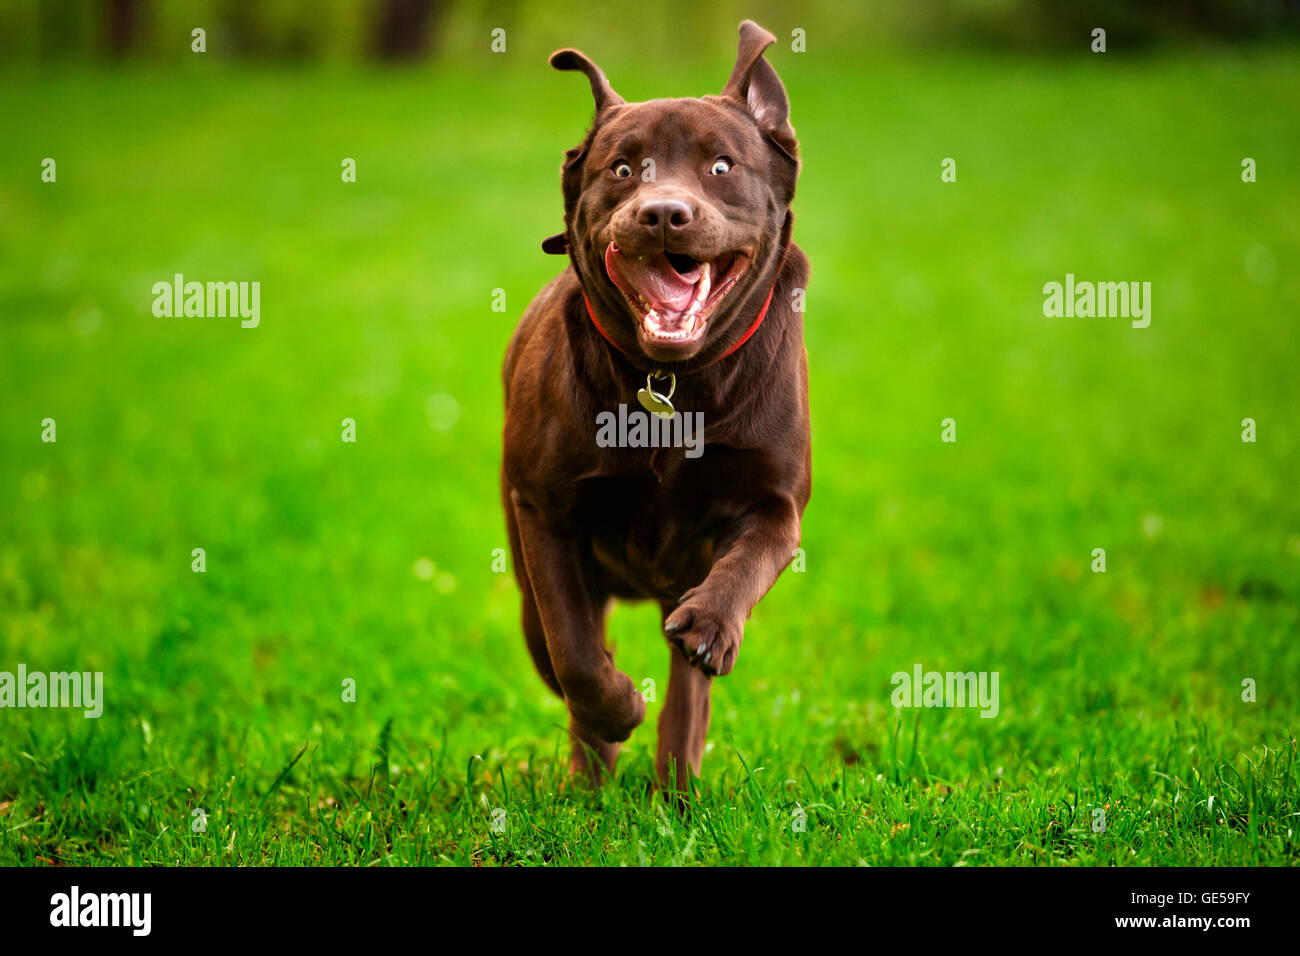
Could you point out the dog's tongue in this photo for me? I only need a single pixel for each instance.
(657, 282)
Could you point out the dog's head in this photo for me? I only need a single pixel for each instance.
(677, 210)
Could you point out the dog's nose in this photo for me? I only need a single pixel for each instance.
(662, 216)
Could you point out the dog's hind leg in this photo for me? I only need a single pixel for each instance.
(683, 726)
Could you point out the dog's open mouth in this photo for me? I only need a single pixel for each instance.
(671, 294)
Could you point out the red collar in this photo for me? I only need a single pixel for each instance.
(762, 314)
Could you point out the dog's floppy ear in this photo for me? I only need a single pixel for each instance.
(755, 85)
(556, 245)
(601, 91)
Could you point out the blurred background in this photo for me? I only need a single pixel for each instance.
(356, 30)
(374, 560)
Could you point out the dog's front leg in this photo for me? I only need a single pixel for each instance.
(710, 622)
(604, 703)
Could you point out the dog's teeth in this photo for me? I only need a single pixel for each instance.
(706, 280)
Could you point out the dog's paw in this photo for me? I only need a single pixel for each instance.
(617, 711)
(710, 640)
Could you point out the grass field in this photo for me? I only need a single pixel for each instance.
(372, 560)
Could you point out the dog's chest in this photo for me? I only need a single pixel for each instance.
(653, 532)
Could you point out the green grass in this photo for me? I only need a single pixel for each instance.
(1120, 690)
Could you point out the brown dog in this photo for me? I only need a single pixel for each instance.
(684, 289)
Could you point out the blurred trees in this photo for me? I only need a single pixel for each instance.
(404, 27)
(418, 29)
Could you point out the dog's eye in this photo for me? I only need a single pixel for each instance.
(720, 167)
(621, 169)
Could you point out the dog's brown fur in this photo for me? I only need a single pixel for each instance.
(704, 537)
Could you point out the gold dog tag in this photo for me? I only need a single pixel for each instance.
(654, 402)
